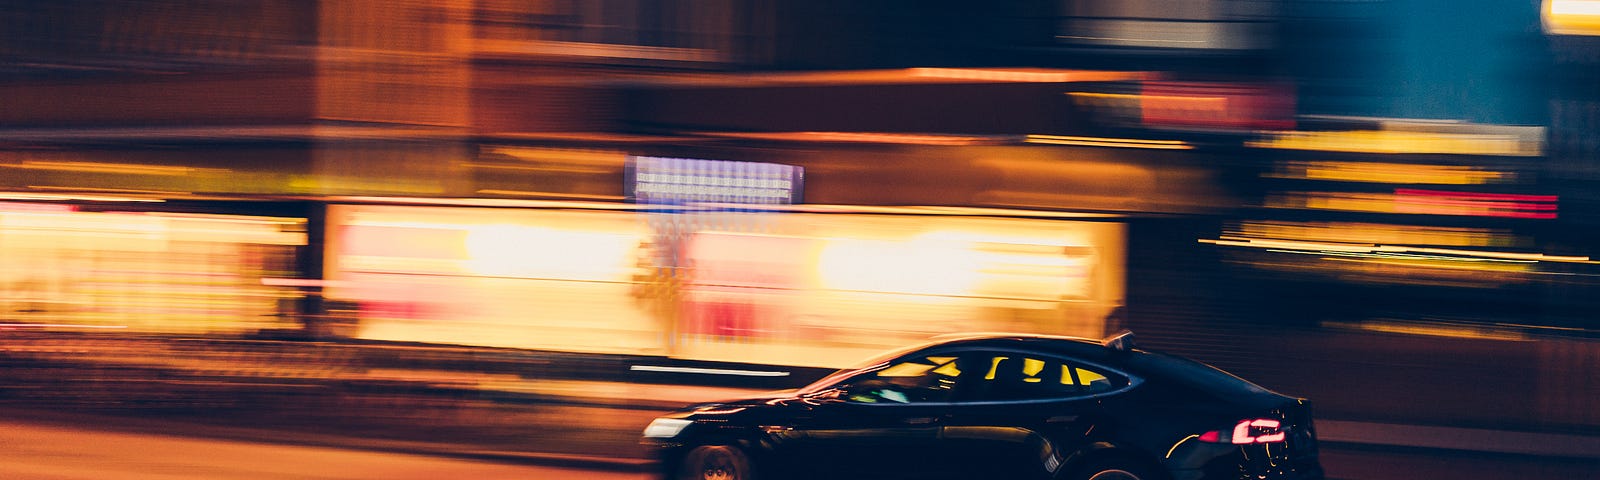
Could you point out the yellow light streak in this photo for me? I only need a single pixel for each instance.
(109, 190)
(873, 137)
(1397, 142)
(1384, 172)
(1177, 102)
(211, 217)
(127, 168)
(1180, 442)
(74, 196)
(1372, 233)
(1356, 248)
(525, 193)
(1109, 142)
(1435, 330)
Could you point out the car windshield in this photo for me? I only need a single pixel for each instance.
(869, 363)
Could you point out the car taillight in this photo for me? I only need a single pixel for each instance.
(1258, 430)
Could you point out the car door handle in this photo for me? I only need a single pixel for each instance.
(1061, 419)
(921, 420)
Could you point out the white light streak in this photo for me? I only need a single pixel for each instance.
(707, 371)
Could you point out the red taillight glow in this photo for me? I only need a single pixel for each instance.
(1260, 430)
(1267, 427)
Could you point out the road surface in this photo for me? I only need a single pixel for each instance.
(62, 451)
(53, 452)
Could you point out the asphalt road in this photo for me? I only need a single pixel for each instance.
(56, 451)
(1368, 463)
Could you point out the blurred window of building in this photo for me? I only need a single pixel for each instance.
(1227, 25)
(91, 37)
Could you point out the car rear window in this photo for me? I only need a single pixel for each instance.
(1194, 374)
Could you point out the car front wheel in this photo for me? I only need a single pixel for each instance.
(715, 462)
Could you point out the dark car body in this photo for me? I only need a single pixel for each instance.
(1001, 406)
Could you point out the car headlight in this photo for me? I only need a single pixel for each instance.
(666, 427)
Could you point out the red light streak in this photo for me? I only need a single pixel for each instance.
(1512, 197)
(21, 207)
(1508, 205)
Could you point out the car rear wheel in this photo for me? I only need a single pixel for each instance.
(1116, 470)
(715, 462)
(1114, 474)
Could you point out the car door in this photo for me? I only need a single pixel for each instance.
(1024, 414)
(883, 423)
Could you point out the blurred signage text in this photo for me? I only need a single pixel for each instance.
(683, 181)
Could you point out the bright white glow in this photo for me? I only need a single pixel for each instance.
(666, 427)
(1571, 17)
(1241, 433)
(301, 282)
(1271, 425)
(1575, 7)
(707, 371)
(535, 252)
(923, 266)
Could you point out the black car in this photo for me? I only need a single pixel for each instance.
(1001, 407)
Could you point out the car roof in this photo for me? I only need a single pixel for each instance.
(1060, 344)
(1113, 353)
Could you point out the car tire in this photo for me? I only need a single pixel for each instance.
(1116, 470)
(715, 462)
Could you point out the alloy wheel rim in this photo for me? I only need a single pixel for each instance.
(1114, 474)
(718, 468)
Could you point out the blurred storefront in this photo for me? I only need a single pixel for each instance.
(458, 145)
(476, 161)
(1425, 222)
(103, 262)
(714, 259)
(773, 287)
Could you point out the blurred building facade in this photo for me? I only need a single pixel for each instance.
(443, 162)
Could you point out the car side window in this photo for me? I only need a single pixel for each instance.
(1017, 376)
(915, 379)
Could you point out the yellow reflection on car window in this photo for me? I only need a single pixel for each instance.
(994, 367)
(948, 370)
(1066, 376)
(1088, 377)
(907, 369)
(1031, 368)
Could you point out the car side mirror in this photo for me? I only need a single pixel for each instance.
(1122, 341)
(830, 395)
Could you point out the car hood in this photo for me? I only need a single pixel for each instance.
(751, 407)
(772, 398)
